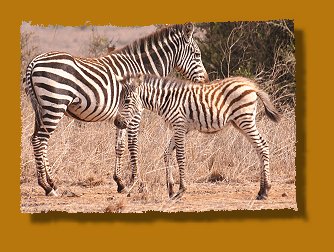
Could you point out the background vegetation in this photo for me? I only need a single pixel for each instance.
(260, 50)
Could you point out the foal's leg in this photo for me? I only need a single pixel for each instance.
(133, 129)
(179, 138)
(167, 158)
(119, 149)
(248, 127)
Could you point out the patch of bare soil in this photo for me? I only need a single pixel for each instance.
(199, 197)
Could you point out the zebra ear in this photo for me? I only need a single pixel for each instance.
(188, 30)
(119, 78)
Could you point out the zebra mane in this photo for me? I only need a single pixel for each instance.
(169, 79)
(173, 82)
(149, 39)
(164, 80)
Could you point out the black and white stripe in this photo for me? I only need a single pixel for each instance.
(86, 89)
(187, 106)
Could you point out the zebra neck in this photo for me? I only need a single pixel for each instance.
(149, 57)
(157, 94)
(149, 97)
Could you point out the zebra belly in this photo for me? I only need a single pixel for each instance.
(208, 131)
(97, 112)
(206, 124)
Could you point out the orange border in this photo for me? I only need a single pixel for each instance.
(269, 230)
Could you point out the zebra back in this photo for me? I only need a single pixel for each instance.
(209, 107)
(87, 89)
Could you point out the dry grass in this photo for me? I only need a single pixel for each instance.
(83, 154)
(116, 207)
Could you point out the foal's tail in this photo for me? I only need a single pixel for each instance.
(271, 111)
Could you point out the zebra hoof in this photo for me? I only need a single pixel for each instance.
(52, 193)
(179, 194)
(170, 193)
(262, 195)
(123, 190)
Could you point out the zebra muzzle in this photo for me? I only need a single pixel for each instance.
(120, 122)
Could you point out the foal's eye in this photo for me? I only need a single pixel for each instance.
(126, 101)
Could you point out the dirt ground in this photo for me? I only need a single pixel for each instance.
(199, 197)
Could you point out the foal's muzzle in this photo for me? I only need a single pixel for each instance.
(204, 79)
(120, 122)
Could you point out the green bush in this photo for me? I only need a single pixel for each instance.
(263, 51)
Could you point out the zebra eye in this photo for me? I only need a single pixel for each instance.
(127, 101)
(197, 54)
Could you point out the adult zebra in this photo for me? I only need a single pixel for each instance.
(186, 106)
(86, 88)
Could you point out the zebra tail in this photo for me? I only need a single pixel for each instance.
(270, 110)
(30, 92)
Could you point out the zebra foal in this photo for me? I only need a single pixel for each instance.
(187, 106)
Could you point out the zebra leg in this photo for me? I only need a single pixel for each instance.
(179, 138)
(119, 149)
(133, 146)
(167, 158)
(262, 148)
(265, 183)
(39, 142)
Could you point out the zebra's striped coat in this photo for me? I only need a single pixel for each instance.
(187, 106)
(86, 89)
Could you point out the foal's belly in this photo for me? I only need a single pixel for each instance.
(200, 124)
(205, 128)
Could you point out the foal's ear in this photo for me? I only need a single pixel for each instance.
(138, 80)
(188, 30)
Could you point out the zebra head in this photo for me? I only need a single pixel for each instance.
(130, 103)
(188, 59)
